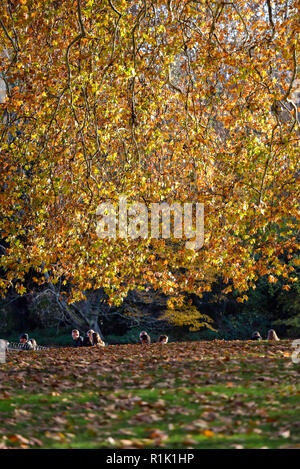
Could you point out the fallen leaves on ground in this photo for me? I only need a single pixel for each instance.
(197, 394)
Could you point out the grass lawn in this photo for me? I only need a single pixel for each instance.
(213, 394)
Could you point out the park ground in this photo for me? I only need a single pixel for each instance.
(216, 394)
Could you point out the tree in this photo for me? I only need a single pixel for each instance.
(159, 101)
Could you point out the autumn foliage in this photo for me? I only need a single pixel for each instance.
(160, 101)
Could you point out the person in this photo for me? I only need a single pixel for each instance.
(88, 339)
(27, 344)
(163, 339)
(34, 344)
(272, 335)
(145, 338)
(78, 340)
(256, 336)
(96, 340)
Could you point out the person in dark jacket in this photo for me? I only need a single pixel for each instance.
(78, 340)
(27, 344)
(88, 339)
(145, 338)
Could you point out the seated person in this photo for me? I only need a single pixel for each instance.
(256, 336)
(27, 344)
(78, 340)
(88, 339)
(163, 339)
(96, 340)
(272, 335)
(145, 338)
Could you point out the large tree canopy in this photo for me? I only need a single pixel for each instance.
(160, 101)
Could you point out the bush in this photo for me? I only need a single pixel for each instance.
(243, 325)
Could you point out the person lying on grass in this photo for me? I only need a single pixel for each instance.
(78, 340)
(256, 336)
(163, 339)
(145, 338)
(96, 340)
(272, 335)
(27, 344)
(88, 339)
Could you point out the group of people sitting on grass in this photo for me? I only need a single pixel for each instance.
(271, 335)
(93, 339)
(163, 339)
(145, 338)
